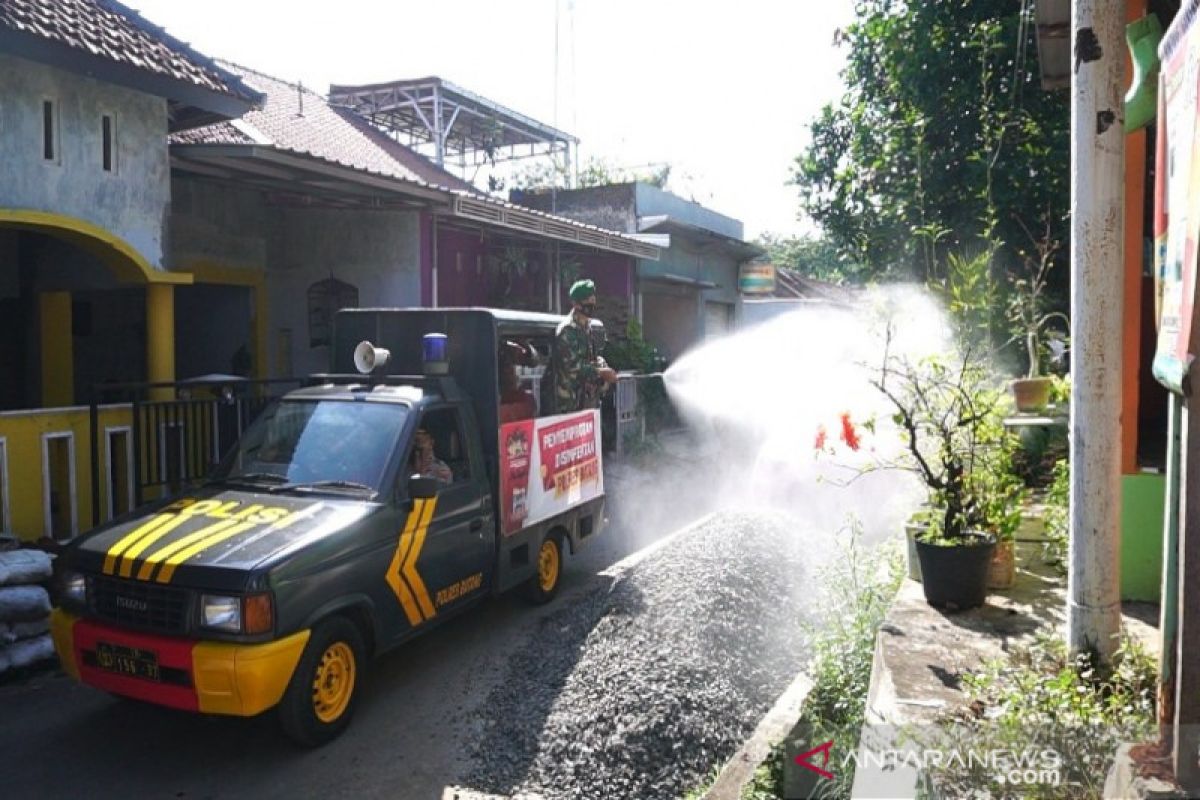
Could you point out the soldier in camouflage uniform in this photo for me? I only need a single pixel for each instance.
(577, 375)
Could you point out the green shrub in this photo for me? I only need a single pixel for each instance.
(861, 584)
(631, 351)
(1042, 700)
(1054, 549)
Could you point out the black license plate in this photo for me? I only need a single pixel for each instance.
(127, 661)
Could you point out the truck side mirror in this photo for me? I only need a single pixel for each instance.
(422, 488)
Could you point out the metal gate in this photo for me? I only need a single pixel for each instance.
(176, 442)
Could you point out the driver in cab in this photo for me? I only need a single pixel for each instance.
(424, 463)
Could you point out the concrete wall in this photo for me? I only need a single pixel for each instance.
(610, 207)
(681, 316)
(216, 222)
(652, 201)
(700, 260)
(131, 201)
(671, 320)
(379, 252)
(696, 258)
(224, 225)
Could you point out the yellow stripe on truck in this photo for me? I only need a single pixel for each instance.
(114, 552)
(244, 679)
(410, 562)
(168, 568)
(394, 580)
(155, 558)
(142, 544)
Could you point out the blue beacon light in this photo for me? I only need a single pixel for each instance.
(433, 354)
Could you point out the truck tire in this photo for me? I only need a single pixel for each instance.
(320, 698)
(543, 586)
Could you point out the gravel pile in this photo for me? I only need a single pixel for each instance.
(641, 686)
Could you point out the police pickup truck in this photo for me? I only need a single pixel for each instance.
(324, 537)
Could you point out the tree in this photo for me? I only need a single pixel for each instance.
(812, 256)
(542, 176)
(943, 141)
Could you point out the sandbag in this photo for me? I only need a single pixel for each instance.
(28, 651)
(24, 566)
(23, 603)
(28, 630)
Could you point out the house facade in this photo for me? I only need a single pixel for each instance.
(690, 292)
(164, 216)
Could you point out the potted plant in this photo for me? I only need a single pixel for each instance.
(949, 421)
(1043, 332)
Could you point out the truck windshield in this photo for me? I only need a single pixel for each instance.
(330, 444)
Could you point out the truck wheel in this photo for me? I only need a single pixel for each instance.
(320, 698)
(542, 587)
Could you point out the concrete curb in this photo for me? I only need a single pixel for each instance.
(771, 730)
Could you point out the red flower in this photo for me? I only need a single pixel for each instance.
(819, 444)
(849, 435)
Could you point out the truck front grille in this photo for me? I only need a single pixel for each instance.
(138, 604)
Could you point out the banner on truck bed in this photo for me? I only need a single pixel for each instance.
(548, 465)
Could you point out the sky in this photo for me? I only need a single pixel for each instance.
(722, 91)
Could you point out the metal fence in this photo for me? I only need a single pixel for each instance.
(641, 407)
(180, 430)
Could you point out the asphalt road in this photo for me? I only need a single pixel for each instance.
(414, 721)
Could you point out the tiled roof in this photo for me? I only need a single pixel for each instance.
(108, 30)
(301, 121)
(220, 133)
(294, 120)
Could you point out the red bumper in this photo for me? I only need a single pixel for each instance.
(193, 675)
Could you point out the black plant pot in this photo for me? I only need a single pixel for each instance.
(955, 577)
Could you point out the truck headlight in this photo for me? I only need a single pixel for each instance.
(254, 613)
(221, 612)
(74, 588)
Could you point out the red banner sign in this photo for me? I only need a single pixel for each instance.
(563, 452)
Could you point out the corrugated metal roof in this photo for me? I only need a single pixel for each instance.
(790, 285)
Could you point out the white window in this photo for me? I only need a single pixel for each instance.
(119, 442)
(5, 508)
(58, 485)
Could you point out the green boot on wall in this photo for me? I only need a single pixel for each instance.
(1141, 101)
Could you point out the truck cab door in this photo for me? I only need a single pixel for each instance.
(447, 557)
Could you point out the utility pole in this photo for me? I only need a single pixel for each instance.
(1097, 231)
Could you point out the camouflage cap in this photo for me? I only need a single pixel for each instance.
(582, 290)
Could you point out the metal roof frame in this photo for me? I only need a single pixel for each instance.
(433, 113)
(507, 215)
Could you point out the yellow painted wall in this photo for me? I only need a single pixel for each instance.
(22, 485)
(58, 374)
